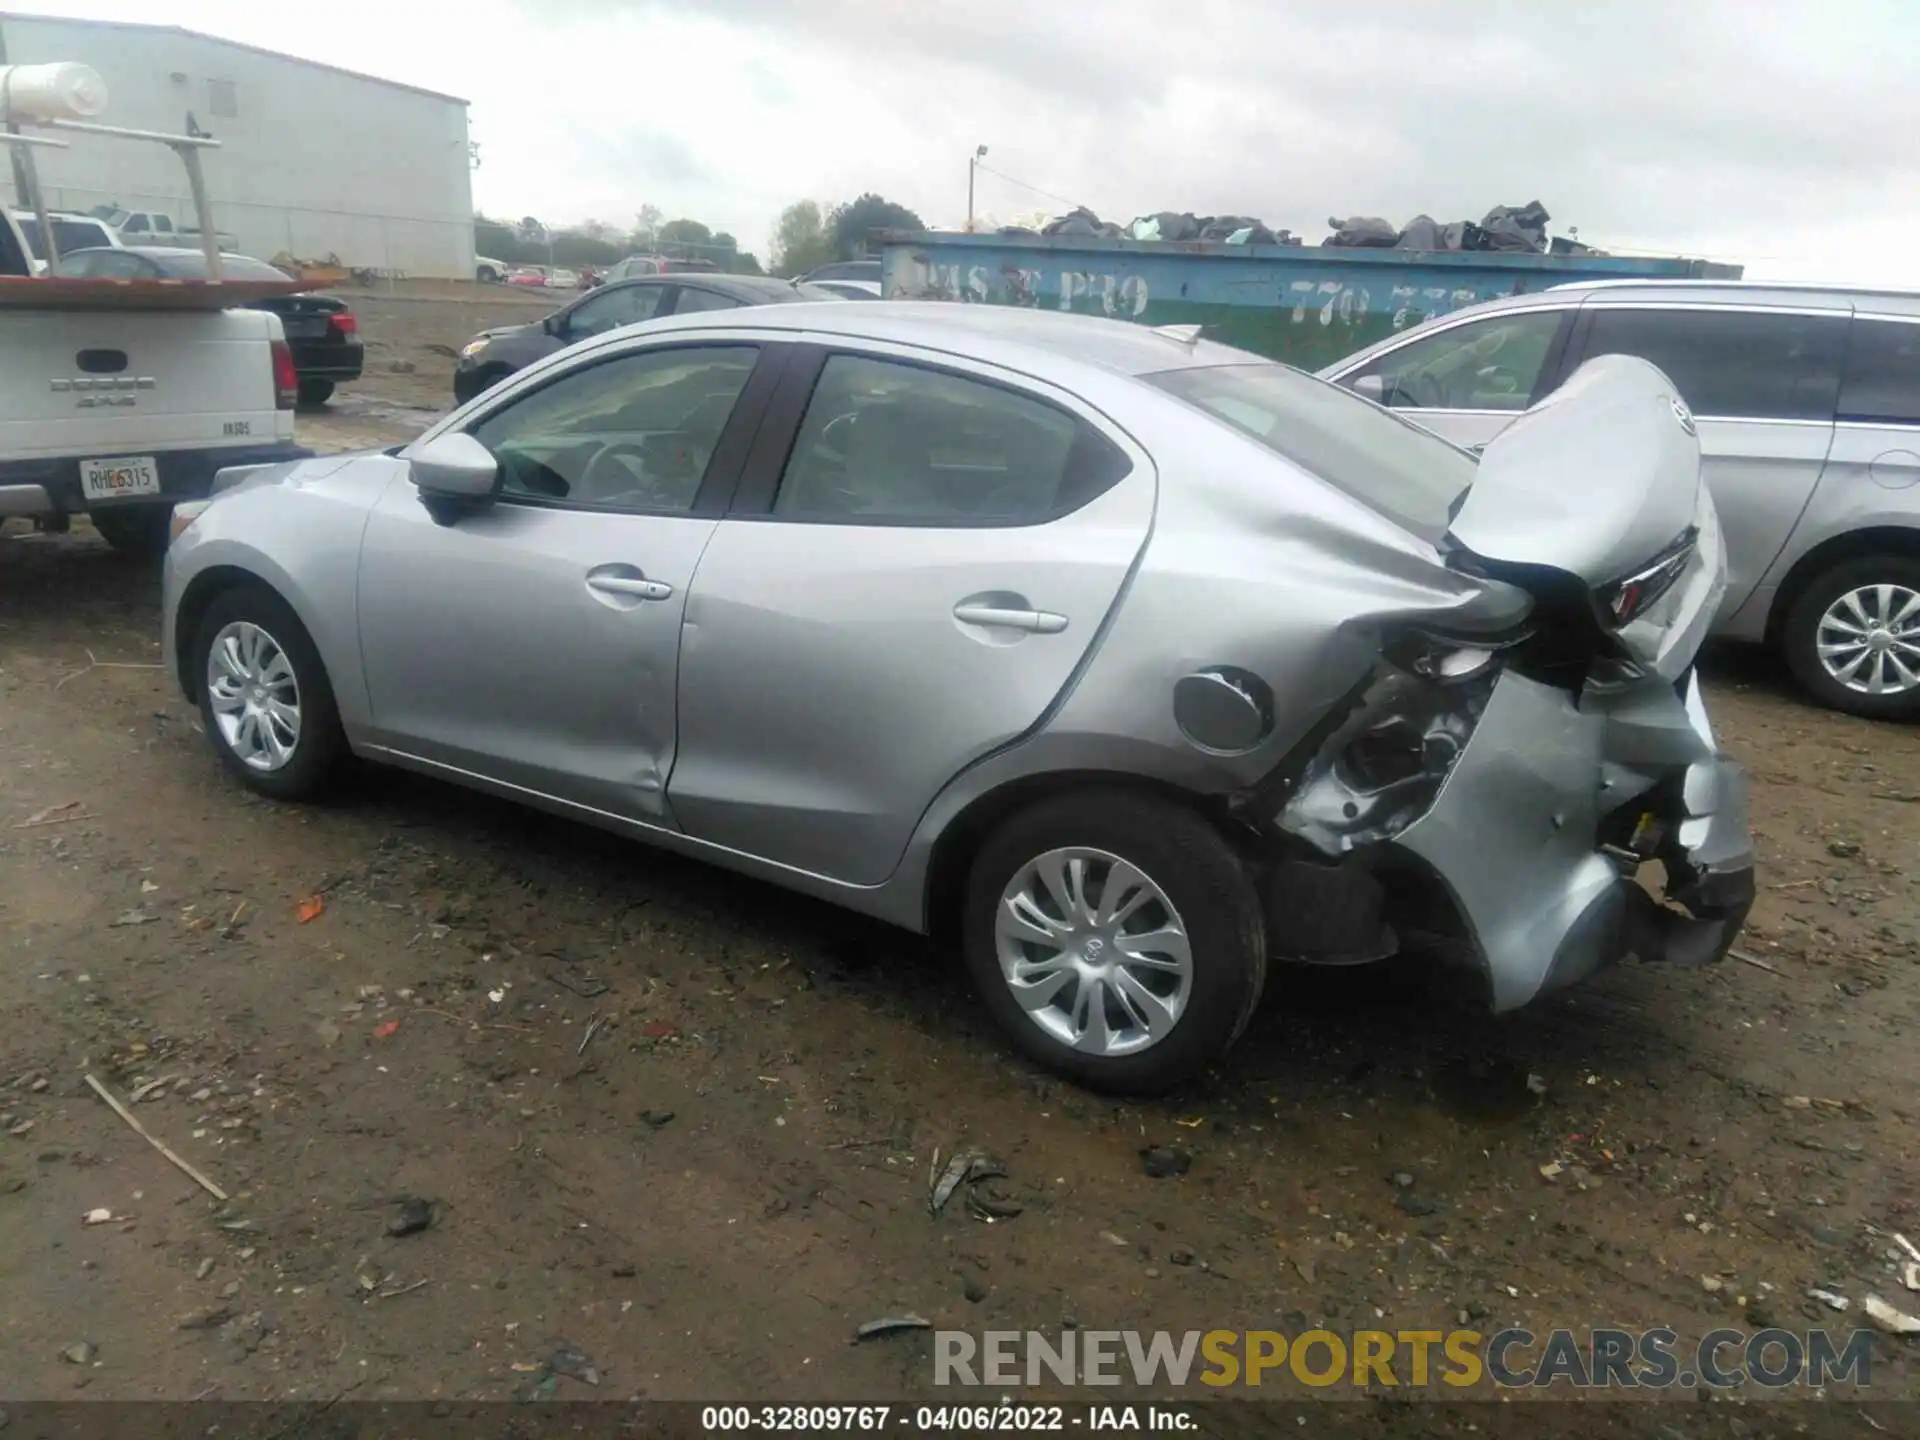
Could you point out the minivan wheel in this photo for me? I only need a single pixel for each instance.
(139, 530)
(264, 695)
(1116, 938)
(1852, 637)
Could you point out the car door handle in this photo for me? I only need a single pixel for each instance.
(1478, 449)
(630, 585)
(1033, 622)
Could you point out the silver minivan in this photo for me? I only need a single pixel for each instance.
(1807, 403)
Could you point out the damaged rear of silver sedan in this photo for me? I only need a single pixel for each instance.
(1444, 705)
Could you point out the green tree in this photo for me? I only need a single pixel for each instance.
(800, 240)
(685, 232)
(852, 223)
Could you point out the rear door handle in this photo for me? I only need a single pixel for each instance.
(1033, 622)
(627, 585)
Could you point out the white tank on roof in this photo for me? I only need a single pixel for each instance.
(64, 91)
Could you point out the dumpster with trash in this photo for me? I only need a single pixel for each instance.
(1307, 305)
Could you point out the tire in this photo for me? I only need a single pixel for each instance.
(1202, 882)
(315, 392)
(1801, 635)
(138, 530)
(465, 387)
(318, 746)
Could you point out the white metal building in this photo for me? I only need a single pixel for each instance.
(313, 160)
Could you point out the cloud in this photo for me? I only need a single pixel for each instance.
(1775, 133)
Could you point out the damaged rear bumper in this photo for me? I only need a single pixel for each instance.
(1537, 834)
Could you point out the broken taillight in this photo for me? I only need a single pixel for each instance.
(286, 379)
(1631, 597)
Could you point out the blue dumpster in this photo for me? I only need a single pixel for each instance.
(1305, 304)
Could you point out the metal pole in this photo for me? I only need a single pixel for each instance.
(972, 162)
(37, 198)
(197, 181)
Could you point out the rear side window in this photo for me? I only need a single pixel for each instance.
(692, 301)
(1883, 372)
(886, 443)
(1736, 364)
(1400, 469)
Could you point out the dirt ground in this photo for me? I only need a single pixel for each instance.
(682, 1123)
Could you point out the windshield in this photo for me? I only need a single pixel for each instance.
(69, 235)
(1391, 465)
(192, 265)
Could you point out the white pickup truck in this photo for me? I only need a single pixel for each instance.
(116, 410)
(156, 227)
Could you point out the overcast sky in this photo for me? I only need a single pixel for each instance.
(1775, 132)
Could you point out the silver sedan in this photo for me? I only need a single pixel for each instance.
(1134, 661)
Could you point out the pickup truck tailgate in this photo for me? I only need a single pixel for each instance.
(78, 382)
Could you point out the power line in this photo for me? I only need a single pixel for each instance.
(1074, 204)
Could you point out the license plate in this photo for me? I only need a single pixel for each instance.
(118, 479)
(304, 329)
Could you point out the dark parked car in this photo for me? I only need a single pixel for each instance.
(492, 355)
(321, 331)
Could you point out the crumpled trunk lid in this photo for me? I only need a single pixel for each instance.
(1589, 487)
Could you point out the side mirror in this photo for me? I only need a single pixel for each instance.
(455, 467)
(555, 325)
(1371, 387)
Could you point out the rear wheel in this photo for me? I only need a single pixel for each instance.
(1117, 938)
(315, 392)
(264, 695)
(134, 529)
(1852, 637)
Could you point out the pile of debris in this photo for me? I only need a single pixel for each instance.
(1505, 227)
(1166, 225)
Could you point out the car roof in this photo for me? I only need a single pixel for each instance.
(1012, 334)
(762, 288)
(19, 214)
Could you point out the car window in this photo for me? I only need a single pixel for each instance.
(1734, 363)
(1402, 470)
(631, 433)
(136, 225)
(192, 265)
(890, 443)
(107, 265)
(83, 265)
(692, 301)
(1490, 364)
(1883, 372)
(611, 309)
(69, 235)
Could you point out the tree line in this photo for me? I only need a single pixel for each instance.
(805, 236)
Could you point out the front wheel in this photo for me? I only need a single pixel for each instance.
(1852, 637)
(265, 699)
(1117, 938)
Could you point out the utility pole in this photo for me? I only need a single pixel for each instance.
(973, 163)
